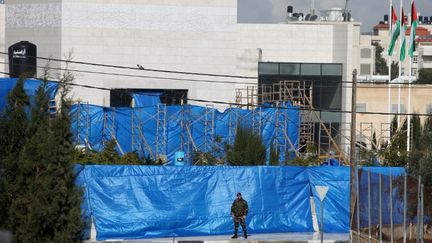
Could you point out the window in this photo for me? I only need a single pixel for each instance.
(268, 68)
(289, 68)
(361, 107)
(415, 59)
(365, 69)
(124, 97)
(331, 70)
(427, 59)
(414, 72)
(366, 53)
(311, 69)
(429, 109)
(395, 108)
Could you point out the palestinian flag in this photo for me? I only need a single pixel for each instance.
(394, 27)
(403, 27)
(414, 23)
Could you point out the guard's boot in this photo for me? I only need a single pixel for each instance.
(234, 236)
(245, 235)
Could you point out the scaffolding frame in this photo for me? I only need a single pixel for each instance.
(161, 131)
(300, 94)
(366, 133)
(196, 129)
(139, 142)
(384, 134)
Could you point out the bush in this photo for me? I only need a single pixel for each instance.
(248, 148)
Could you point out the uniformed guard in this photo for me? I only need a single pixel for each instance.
(239, 210)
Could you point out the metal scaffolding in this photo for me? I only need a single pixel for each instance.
(161, 131)
(299, 94)
(366, 132)
(190, 129)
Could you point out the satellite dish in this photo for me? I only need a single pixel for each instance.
(314, 17)
(307, 17)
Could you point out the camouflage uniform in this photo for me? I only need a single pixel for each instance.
(239, 210)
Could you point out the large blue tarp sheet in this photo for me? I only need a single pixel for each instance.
(394, 192)
(143, 99)
(132, 202)
(30, 87)
(337, 200)
(164, 130)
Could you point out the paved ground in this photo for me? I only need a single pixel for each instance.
(254, 238)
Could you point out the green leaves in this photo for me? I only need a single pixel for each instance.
(41, 202)
(248, 148)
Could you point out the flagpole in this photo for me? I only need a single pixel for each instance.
(390, 22)
(409, 106)
(412, 49)
(402, 35)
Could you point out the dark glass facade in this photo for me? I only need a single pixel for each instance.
(326, 79)
(123, 97)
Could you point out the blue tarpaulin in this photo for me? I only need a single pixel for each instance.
(143, 99)
(132, 202)
(337, 201)
(30, 87)
(156, 130)
(395, 193)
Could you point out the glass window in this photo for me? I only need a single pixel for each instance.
(395, 108)
(365, 69)
(289, 69)
(427, 59)
(268, 68)
(361, 107)
(415, 59)
(311, 69)
(331, 69)
(331, 95)
(331, 116)
(366, 53)
(429, 109)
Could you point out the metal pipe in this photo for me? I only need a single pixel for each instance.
(322, 221)
(418, 209)
(422, 213)
(358, 202)
(369, 207)
(380, 208)
(405, 209)
(391, 209)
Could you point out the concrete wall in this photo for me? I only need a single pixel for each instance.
(189, 35)
(3, 57)
(376, 99)
(38, 22)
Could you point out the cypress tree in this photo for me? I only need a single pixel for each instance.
(45, 172)
(13, 128)
(395, 153)
(416, 132)
(248, 148)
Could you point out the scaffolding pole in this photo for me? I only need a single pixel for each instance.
(161, 142)
(78, 123)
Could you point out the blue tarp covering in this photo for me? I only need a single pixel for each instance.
(397, 174)
(180, 128)
(132, 202)
(337, 201)
(30, 87)
(143, 99)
